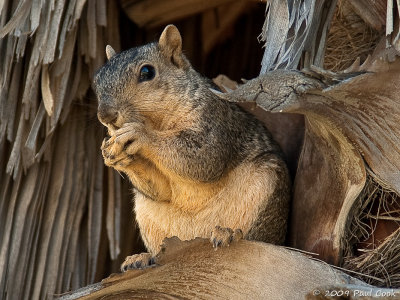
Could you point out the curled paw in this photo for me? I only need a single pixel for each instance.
(137, 261)
(114, 154)
(125, 142)
(132, 136)
(222, 237)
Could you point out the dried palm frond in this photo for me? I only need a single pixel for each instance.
(295, 31)
(52, 198)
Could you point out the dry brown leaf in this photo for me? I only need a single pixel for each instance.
(48, 99)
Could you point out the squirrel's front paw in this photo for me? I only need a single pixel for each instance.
(137, 261)
(113, 153)
(222, 237)
(118, 150)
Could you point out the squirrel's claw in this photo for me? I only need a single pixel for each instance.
(137, 261)
(223, 237)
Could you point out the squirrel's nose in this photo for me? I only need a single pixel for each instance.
(107, 114)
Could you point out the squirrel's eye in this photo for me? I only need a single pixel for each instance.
(147, 73)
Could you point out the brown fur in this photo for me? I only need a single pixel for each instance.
(196, 161)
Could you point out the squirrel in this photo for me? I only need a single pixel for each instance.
(199, 165)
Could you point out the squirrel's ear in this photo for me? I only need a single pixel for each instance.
(170, 43)
(110, 52)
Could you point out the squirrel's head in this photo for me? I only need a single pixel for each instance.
(146, 83)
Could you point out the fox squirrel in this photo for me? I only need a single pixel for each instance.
(196, 161)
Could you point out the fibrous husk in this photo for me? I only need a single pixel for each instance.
(373, 238)
(379, 266)
(349, 38)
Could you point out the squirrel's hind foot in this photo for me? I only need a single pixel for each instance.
(223, 237)
(137, 261)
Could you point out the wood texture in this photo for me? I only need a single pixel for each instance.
(194, 270)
